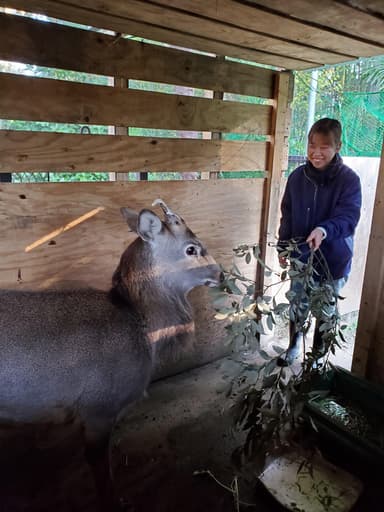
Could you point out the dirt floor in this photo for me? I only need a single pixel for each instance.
(173, 453)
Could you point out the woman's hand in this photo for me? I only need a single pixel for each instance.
(315, 238)
(283, 261)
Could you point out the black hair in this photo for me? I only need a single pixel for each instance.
(327, 126)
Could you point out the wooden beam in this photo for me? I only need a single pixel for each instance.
(341, 18)
(371, 6)
(240, 16)
(57, 46)
(277, 163)
(371, 306)
(209, 38)
(36, 99)
(28, 151)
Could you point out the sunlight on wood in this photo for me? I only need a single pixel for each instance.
(58, 231)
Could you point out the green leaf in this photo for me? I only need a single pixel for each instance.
(220, 300)
(264, 355)
(269, 380)
(278, 349)
(280, 308)
(270, 322)
(270, 366)
(234, 289)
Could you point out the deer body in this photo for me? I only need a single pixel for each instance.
(94, 351)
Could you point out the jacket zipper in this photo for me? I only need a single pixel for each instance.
(308, 224)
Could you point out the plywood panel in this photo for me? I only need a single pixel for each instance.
(333, 14)
(53, 234)
(277, 163)
(250, 17)
(33, 151)
(39, 99)
(367, 169)
(371, 6)
(189, 39)
(368, 336)
(52, 45)
(231, 30)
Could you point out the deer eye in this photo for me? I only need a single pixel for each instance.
(191, 250)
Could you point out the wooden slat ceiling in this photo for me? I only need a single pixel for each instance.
(296, 34)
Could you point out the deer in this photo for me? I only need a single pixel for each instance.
(74, 358)
(93, 351)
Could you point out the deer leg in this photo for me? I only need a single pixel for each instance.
(97, 455)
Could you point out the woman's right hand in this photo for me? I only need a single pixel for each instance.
(283, 261)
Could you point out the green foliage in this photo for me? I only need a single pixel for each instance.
(352, 93)
(270, 408)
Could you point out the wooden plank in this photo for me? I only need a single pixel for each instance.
(120, 130)
(370, 6)
(250, 45)
(54, 234)
(277, 163)
(204, 25)
(36, 99)
(335, 15)
(52, 45)
(371, 306)
(368, 171)
(217, 135)
(250, 17)
(24, 151)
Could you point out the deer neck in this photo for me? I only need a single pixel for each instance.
(168, 319)
(163, 309)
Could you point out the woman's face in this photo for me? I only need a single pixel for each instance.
(321, 150)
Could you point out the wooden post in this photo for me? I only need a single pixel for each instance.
(123, 82)
(277, 163)
(372, 306)
(217, 95)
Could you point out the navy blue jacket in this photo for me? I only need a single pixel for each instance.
(330, 199)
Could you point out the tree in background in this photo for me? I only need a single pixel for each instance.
(352, 93)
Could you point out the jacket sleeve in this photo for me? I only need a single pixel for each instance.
(346, 213)
(286, 216)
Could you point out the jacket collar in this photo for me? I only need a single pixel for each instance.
(328, 174)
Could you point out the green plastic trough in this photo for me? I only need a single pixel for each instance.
(354, 394)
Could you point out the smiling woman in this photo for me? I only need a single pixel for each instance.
(324, 141)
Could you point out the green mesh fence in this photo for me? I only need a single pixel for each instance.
(362, 116)
(353, 93)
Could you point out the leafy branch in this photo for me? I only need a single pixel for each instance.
(270, 407)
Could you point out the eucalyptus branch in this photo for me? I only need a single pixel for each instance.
(270, 408)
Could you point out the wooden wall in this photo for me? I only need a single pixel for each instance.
(71, 234)
(37, 246)
(52, 234)
(368, 357)
(368, 170)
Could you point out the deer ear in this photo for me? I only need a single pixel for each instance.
(148, 225)
(131, 217)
